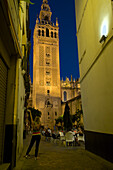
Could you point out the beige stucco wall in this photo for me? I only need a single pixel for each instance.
(95, 61)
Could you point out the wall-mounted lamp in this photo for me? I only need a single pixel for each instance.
(103, 38)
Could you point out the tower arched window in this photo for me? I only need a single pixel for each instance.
(65, 95)
(55, 35)
(46, 18)
(42, 32)
(39, 32)
(47, 32)
(51, 34)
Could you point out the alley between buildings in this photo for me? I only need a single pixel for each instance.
(58, 157)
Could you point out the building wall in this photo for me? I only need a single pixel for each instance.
(95, 60)
(12, 53)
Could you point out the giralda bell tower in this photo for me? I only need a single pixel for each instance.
(46, 69)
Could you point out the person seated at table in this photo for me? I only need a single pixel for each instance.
(53, 135)
(47, 135)
(80, 131)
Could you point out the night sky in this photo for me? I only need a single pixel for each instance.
(65, 12)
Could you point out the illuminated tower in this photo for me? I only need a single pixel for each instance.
(46, 69)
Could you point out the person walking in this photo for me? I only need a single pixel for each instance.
(36, 136)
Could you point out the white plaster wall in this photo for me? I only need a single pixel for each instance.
(96, 68)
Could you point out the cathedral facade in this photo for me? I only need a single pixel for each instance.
(46, 68)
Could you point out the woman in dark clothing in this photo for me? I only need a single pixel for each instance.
(36, 136)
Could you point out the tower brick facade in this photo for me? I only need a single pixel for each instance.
(46, 69)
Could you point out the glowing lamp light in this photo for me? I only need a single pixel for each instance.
(104, 28)
(104, 31)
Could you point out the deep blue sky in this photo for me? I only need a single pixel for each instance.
(65, 12)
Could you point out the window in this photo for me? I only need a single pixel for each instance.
(65, 95)
(52, 34)
(47, 63)
(47, 32)
(55, 35)
(39, 32)
(46, 18)
(48, 55)
(47, 72)
(48, 92)
(55, 113)
(48, 113)
(48, 83)
(42, 32)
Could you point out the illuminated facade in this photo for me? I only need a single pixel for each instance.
(95, 46)
(69, 89)
(46, 69)
(71, 94)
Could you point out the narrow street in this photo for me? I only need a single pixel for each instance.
(58, 157)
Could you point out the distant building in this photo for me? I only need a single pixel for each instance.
(46, 69)
(95, 48)
(70, 93)
(69, 89)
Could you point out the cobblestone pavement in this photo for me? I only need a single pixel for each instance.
(57, 157)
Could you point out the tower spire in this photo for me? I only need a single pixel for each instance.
(57, 22)
(71, 78)
(45, 13)
(45, 1)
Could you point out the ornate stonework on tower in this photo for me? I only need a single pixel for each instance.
(46, 69)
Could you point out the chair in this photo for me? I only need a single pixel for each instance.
(62, 137)
(55, 138)
(81, 138)
(69, 138)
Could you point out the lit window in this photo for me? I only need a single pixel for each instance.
(47, 83)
